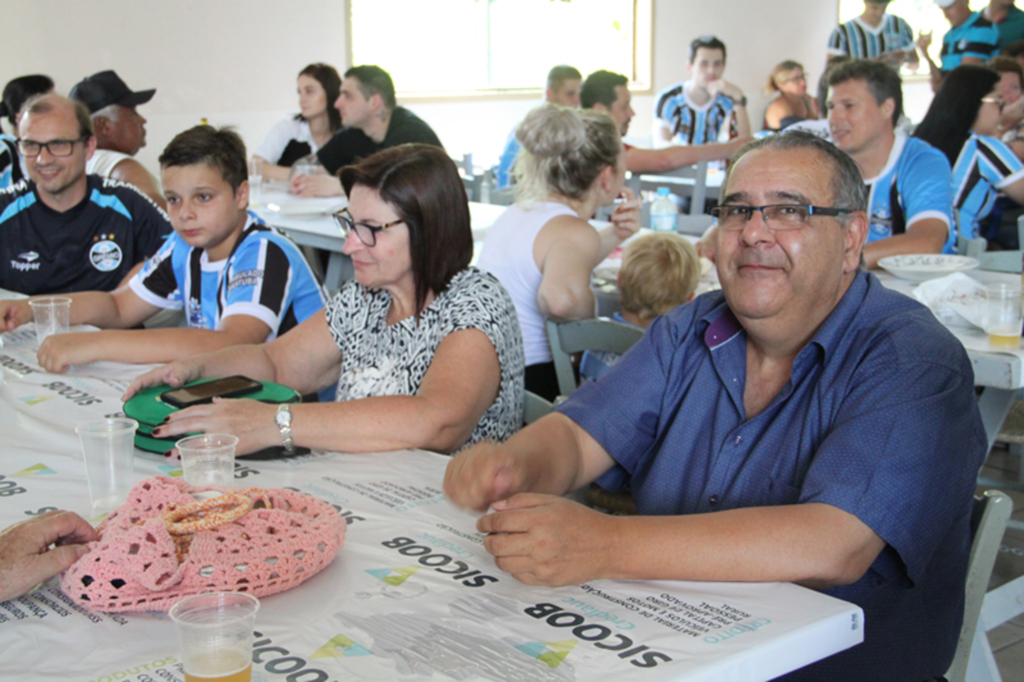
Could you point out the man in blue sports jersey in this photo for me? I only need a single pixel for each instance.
(971, 39)
(63, 230)
(609, 92)
(563, 89)
(874, 34)
(910, 206)
(238, 281)
(704, 108)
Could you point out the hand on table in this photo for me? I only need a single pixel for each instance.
(482, 475)
(250, 420)
(60, 351)
(548, 540)
(174, 374)
(316, 186)
(26, 558)
(626, 217)
(14, 313)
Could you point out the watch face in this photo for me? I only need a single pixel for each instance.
(283, 417)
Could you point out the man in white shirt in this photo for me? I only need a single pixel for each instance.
(120, 131)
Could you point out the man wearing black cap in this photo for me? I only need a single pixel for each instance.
(120, 130)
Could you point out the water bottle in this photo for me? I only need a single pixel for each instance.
(663, 212)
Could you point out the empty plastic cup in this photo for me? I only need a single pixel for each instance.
(108, 447)
(215, 631)
(51, 315)
(208, 459)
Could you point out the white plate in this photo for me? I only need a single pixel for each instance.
(307, 206)
(925, 266)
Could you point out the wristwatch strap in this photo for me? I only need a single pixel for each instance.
(283, 418)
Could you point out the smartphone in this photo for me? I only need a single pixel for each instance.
(198, 394)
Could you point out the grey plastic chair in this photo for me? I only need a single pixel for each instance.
(988, 522)
(599, 334)
(535, 407)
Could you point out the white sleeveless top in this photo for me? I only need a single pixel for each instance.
(103, 161)
(508, 255)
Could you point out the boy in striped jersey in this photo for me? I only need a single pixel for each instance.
(705, 108)
(875, 34)
(238, 281)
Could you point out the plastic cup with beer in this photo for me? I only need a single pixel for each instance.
(215, 632)
(51, 315)
(108, 448)
(208, 459)
(1003, 315)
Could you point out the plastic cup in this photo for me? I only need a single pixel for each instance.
(51, 315)
(215, 632)
(255, 181)
(108, 447)
(1003, 316)
(208, 459)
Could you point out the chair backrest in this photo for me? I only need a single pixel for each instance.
(970, 247)
(535, 407)
(989, 516)
(599, 334)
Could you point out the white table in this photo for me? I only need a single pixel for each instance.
(308, 223)
(440, 609)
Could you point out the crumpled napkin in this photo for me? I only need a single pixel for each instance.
(957, 300)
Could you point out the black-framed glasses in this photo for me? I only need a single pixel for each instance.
(32, 148)
(776, 216)
(367, 234)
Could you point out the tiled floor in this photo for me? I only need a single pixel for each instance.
(1007, 640)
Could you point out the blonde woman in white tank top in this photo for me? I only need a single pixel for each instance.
(542, 249)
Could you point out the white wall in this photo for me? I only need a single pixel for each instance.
(235, 61)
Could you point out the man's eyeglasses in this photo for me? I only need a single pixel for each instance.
(32, 148)
(367, 234)
(994, 100)
(776, 216)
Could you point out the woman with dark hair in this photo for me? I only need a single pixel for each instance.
(964, 122)
(299, 136)
(426, 350)
(543, 249)
(787, 85)
(16, 93)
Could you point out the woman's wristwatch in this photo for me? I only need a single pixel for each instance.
(283, 419)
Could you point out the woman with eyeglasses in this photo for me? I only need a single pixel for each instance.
(964, 122)
(787, 84)
(542, 249)
(425, 349)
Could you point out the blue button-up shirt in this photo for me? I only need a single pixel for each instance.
(879, 419)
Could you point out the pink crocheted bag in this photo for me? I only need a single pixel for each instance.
(162, 545)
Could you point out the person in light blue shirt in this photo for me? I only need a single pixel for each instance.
(964, 121)
(911, 197)
(237, 280)
(971, 39)
(563, 89)
(874, 34)
(803, 424)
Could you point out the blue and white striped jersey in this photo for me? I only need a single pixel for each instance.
(915, 184)
(985, 165)
(265, 277)
(692, 124)
(976, 37)
(856, 39)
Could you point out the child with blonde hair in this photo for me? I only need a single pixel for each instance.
(659, 272)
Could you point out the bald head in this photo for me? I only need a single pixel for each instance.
(58, 106)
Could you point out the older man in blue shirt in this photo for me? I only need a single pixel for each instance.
(804, 424)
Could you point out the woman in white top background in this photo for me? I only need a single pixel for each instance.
(295, 137)
(542, 249)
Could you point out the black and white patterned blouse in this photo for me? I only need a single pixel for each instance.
(379, 360)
